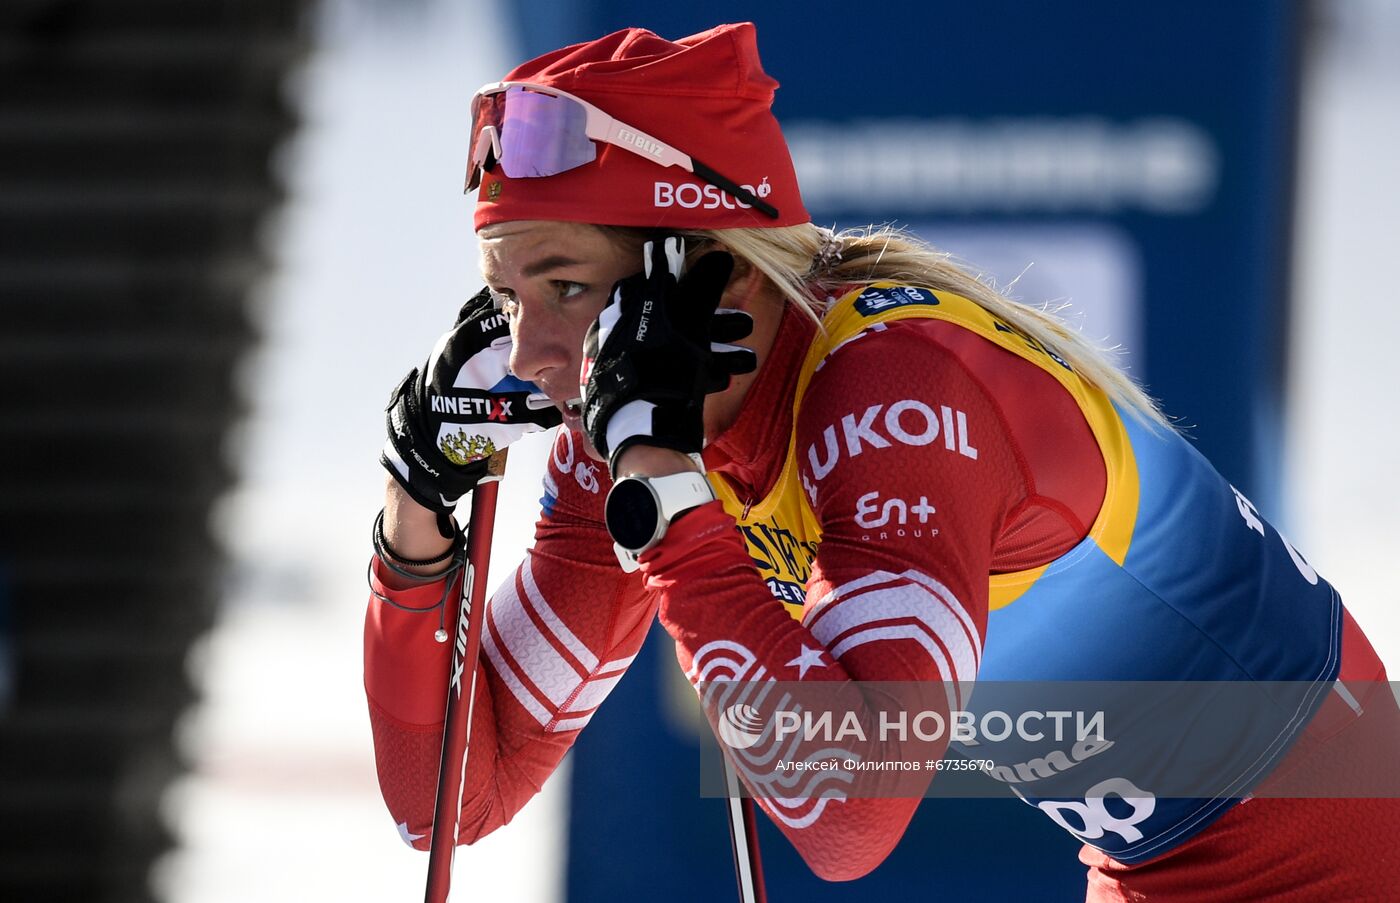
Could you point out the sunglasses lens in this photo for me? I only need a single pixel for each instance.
(537, 134)
(543, 135)
(487, 111)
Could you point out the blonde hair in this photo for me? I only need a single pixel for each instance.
(808, 263)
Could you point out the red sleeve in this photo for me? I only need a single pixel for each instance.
(557, 638)
(911, 474)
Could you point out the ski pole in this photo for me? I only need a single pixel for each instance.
(743, 837)
(466, 644)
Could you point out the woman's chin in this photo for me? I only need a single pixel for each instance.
(575, 423)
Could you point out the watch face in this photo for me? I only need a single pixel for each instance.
(632, 514)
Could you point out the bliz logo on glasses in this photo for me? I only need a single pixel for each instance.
(705, 197)
(640, 142)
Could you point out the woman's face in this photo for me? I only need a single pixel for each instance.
(555, 278)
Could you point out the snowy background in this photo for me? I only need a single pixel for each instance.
(375, 253)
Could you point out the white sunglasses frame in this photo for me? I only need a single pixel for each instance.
(599, 126)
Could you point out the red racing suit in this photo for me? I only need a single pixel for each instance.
(1018, 485)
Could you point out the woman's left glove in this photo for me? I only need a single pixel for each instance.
(656, 351)
(445, 419)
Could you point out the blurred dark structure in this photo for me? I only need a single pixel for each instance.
(136, 143)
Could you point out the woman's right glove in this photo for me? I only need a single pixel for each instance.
(445, 419)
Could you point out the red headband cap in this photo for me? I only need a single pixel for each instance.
(706, 95)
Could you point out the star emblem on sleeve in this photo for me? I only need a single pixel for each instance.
(408, 836)
(810, 658)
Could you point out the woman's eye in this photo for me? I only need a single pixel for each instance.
(505, 301)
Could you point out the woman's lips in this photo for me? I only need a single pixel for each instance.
(572, 411)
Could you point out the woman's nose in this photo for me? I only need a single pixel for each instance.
(537, 345)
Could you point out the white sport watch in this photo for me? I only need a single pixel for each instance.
(639, 509)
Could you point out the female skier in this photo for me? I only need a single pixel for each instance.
(834, 458)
